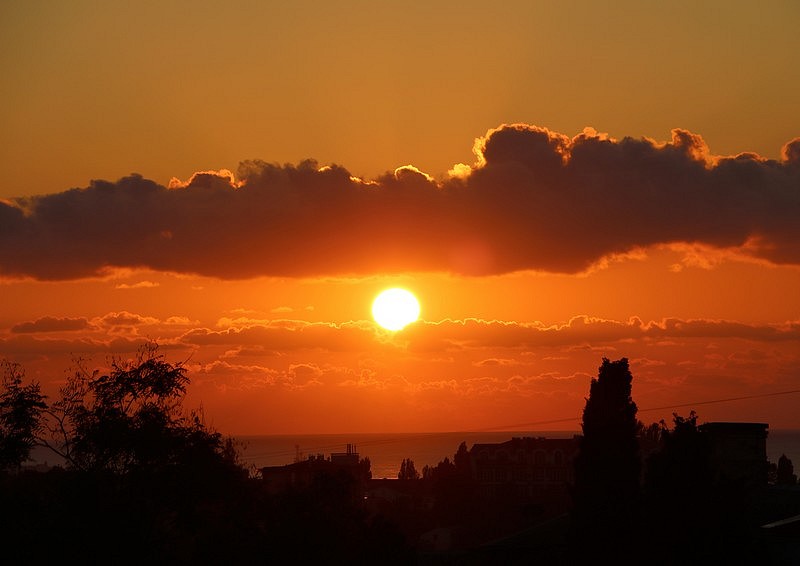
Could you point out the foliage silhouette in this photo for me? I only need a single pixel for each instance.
(131, 418)
(785, 472)
(681, 468)
(701, 519)
(607, 468)
(21, 408)
(461, 460)
(407, 470)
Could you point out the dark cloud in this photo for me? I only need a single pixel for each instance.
(25, 346)
(50, 324)
(535, 199)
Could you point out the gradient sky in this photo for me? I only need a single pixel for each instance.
(557, 182)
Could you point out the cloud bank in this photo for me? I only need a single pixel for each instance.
(248, 338)
(534, 200)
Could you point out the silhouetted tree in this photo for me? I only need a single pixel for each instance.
(700, 521)
(785, 475)
(649, 437)
(131, 418)
(680, 469)
(21, 409)
(364, 469)
(407, 470)
(461, 461)
(607, 468)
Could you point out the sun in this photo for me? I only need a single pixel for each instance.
(395, 308)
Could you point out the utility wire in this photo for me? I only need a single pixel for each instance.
(743, 398)
(675, 406)
(512, 427)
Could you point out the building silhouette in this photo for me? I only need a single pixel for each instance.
(738, 452)
(524, 467)
(302, 473)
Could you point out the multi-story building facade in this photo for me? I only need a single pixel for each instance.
(525, 467)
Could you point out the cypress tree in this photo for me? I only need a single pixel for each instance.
(608, 466)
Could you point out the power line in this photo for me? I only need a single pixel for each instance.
(517, 426)
(743, 398)
(675, 406)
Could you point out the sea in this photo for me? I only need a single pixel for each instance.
(387, 451)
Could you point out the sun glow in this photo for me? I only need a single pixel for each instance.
(395, 308)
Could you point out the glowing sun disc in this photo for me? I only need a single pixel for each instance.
(395, 308)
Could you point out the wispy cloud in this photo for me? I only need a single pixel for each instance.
(50, 324)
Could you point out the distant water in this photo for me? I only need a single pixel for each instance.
(787, 442)
(387, 451)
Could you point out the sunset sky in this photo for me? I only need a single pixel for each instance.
(557, 182)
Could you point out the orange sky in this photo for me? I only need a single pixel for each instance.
(453, 154)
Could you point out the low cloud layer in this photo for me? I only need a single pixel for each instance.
(463, 374)
(534, 199)
(419, 340)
